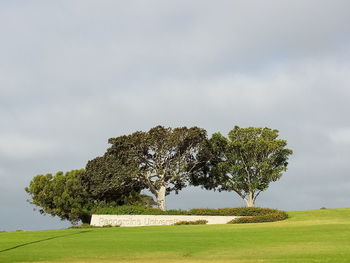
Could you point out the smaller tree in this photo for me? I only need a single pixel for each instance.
(66, 196)
(246, 162)
(61, 195)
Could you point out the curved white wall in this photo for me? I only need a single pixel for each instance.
(154, 220)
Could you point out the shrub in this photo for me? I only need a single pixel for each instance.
(128, 210)
(197, 222)
(237, 211)
(271, 217)
(89, 226)
(140, 210)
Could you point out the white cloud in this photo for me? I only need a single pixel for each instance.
(17, 146)
(341, 136)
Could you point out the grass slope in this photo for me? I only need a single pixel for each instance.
(308, 236)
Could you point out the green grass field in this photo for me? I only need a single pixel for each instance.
(308, 236)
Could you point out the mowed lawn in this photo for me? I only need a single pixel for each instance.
(308, 236)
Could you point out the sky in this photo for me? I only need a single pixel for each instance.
(74, 73)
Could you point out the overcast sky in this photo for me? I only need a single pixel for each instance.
(75, 73)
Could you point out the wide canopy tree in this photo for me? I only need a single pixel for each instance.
(246, 162)
(163, 158)
(110, 179)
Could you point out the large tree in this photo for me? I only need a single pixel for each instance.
(110, 179)
(163, 158)
(246, 162)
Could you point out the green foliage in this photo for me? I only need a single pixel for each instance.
(136, 199)
(161, 160)
(64, 195)
(246, 162)
(236, 211)
(139, 210)
(84, 226)
(131, 210)
(109, 179)
(271, 217)
(197, 222)
(61, 195)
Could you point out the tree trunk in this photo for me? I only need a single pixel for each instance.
(250, 200)
(161, 198)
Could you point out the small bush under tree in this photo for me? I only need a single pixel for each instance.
(197, 222)
(272, 217)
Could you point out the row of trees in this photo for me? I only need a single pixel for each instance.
(164, 160)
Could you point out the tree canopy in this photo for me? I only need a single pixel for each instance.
(65, 195)
(61, 195)
(246, 162)
(110, 179)
(162, 158)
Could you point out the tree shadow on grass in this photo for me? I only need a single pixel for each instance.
(42, 240)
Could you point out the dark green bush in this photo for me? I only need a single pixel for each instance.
(237, 211)
(271, 217)
(89, 226)
(197, 222)
(130, 210)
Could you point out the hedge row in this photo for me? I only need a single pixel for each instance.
(197, 222)
(90, 226)
(238, 211)
(272, 217)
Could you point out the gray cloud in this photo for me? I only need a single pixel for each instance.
(74, 73)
